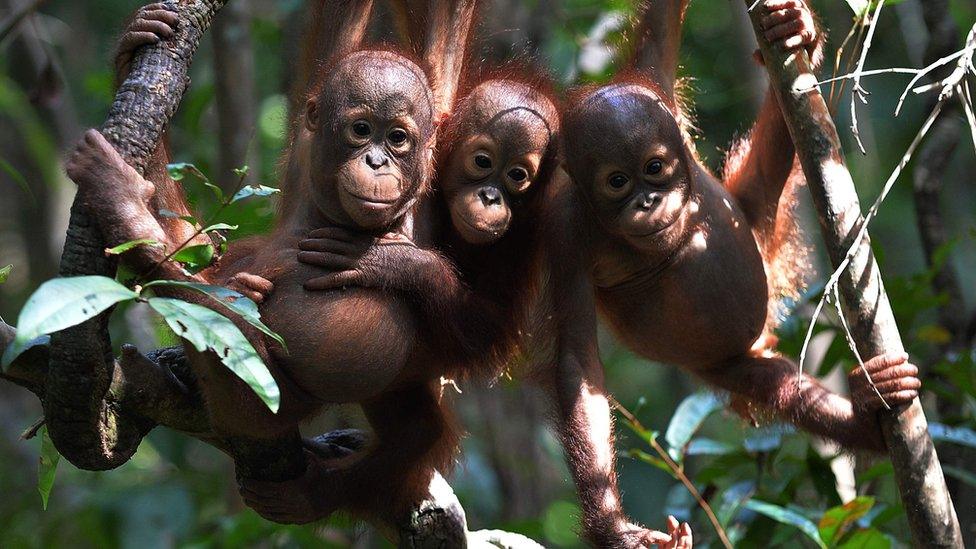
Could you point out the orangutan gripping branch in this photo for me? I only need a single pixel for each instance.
(674, 258)
(363, 158)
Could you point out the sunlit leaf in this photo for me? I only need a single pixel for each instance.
(837, 520)
(220, 227)
(206, 329)
(254, 190)
(858, 6)
(241, 172)
(787, 516)
(702, 446)
(61, 303)
(196, 258)
(5, 272)
(47, 466)
(766, 439)
(236, 302)
(124, 247)
(650, 460)
(689, 416)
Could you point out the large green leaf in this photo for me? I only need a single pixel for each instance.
(837, 520)
(47, 466)
(247, 309)
(206, 329)
(687, 419)
(61, 303)
(787, 516)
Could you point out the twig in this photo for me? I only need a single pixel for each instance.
(199, 230)
(678, 472)
(32, 430)
(11, 21)
(832, 282)
(858, 92)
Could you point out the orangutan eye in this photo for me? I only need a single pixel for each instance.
(654, 167)
(518, 175)
(482, 161)
(618, 181)
(361, 128)
(397, 136)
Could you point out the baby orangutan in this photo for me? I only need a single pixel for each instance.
(673, 258)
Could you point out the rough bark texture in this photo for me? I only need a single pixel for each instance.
(86, 431)
(928, 507)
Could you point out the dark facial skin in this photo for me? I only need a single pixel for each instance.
(372, 137)
(635, 176)
(501, 132)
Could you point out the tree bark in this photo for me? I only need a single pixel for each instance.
(928, 507)
(86, 431)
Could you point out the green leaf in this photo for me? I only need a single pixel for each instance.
(650, 460)
(689, 416)
(5, 272)
(241, 172)
(47, 467)
(247, 309)
(179, 170)
(867, 538)
(61, 303)
(220, 227)
(702, 446)
(206, 329)
(837, 520)
(196, 258)
(253, 190)
(122, 248)
(957, 435)
(788, 517)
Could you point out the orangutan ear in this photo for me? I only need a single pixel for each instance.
(312, 115)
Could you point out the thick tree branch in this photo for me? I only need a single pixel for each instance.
(918, 472)
(84, 427)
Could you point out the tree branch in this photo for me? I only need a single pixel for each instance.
(918, 472)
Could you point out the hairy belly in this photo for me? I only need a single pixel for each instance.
(687, 320)
(343, 345)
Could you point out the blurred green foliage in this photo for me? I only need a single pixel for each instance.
(768, 486)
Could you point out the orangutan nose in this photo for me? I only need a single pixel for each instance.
(490, 196)
(648, 201)
(376, 160)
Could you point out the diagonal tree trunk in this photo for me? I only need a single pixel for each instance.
(918, 471)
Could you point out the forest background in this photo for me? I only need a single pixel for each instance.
(766, 486)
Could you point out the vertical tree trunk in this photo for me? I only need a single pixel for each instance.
(918, 472)
(235, 87)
